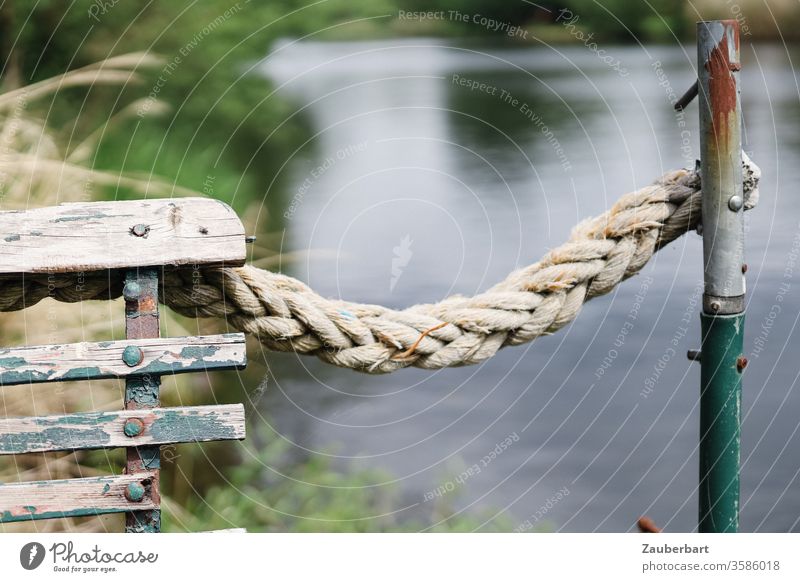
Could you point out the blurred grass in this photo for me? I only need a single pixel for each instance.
(204, 486)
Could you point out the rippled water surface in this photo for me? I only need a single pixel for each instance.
(437, 168)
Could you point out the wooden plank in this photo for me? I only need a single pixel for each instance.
(90, 236)
(98, 430)
(97, 360)
(73, 497)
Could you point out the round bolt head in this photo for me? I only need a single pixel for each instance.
(735, 203)
(134, 492)
(140, 230)
(715, 306)
(133, 427)
(741, 363)
(132, 356)
(131, 291)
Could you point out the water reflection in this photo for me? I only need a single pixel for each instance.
(415, 187)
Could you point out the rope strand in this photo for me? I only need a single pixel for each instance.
(286, 315)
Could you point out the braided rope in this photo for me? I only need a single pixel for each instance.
(286, 315)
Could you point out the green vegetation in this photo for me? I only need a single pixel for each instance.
(269, 492)
(187, 112)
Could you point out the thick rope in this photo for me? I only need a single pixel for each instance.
(286, 315)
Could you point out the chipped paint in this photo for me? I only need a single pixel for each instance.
(79, 217)
(94, 430)
(57, 363)
(198, 352)
(53, 439)
(9, 517)
(143, 391)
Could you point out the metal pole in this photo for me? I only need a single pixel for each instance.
(722, 320)
(142, 392)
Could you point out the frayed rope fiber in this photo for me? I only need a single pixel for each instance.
(286, 315)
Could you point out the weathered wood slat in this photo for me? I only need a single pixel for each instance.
(92, 361)
(124, 428)
(92, 236)
(73, 497)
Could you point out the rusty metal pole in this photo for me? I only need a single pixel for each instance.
(723, 255)
(142, 392)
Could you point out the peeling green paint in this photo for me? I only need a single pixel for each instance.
(15, 376)
(10, 517)
(54, 439)
(94, 216)
(145, 521)
(151, 457)
(77, 419)
(12, 378)
(18, 370)
(199, 352)
(13, 362)
(142, 390)
(174, 426)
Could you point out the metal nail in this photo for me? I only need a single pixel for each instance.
(140, 230)
(132, 356)
(131, 291)
(134, 492)
(133, 427)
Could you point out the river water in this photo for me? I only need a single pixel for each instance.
(437, 167)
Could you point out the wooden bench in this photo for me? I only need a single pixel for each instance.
(139, 238)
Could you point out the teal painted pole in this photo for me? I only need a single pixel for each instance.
(142, 392)
(722, 320)
(720, 406)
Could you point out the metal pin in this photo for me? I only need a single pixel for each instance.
(134, 492)
(131, 291)
(132, 356)
(133, 427)
(140, 230)
(694, 355)
(250, 239)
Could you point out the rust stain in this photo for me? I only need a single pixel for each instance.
(147, 304)
(721, 89)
